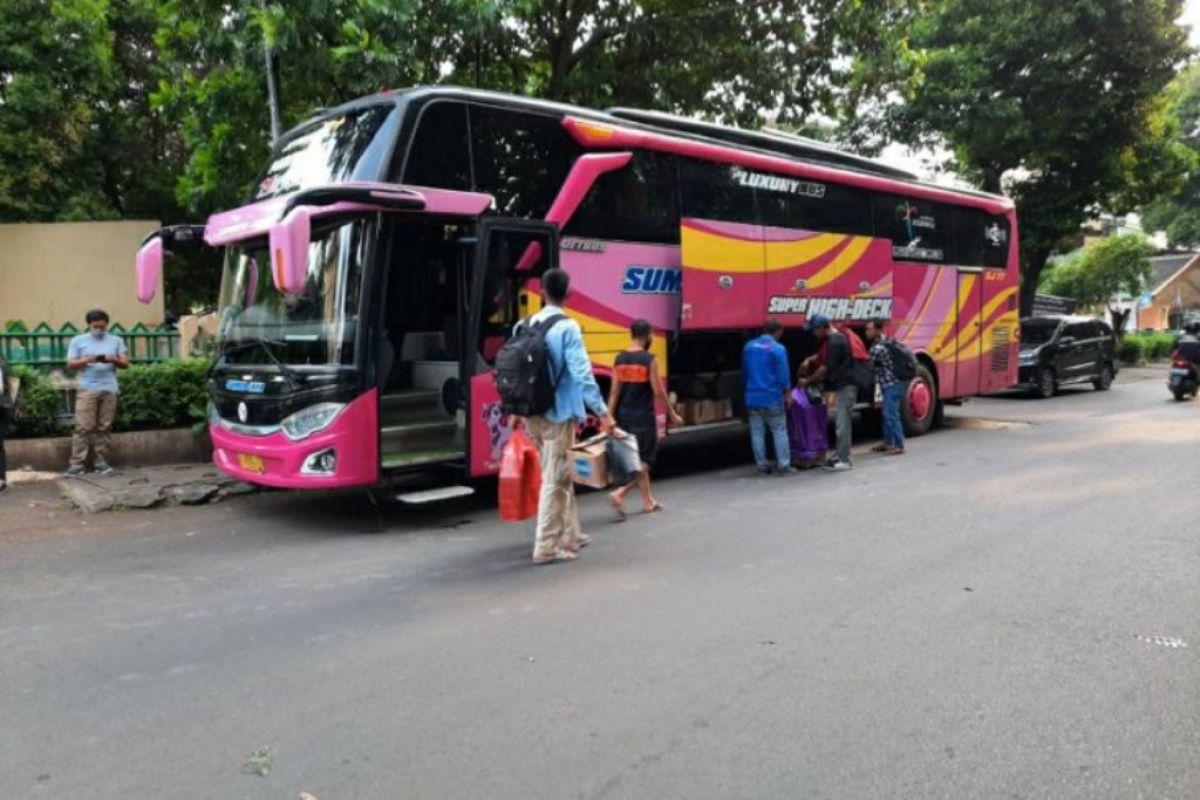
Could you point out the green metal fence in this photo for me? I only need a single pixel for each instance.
(43, 346)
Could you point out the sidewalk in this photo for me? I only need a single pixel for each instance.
(145, 487)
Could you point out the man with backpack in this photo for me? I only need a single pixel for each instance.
(894, 366)
(844, 366)
(544, 374)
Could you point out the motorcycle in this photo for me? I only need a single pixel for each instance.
(1184, 380)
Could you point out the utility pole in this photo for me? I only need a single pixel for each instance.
(272, 81)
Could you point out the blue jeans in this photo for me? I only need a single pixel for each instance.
(760, 419)
(893, 427)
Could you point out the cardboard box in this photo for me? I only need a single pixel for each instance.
(704, 412)
(589, 462)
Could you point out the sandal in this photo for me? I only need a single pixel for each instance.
(894, 451)
(619, 505)
(581, 541)
(656, 507)
(880, 448)
(554, 558)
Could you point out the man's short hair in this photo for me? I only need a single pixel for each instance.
(95, 315)
(556, 283)
(879, 323)
(772, 327)
(640, 329)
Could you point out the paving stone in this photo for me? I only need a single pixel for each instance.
(236, 487)
(146, 487)
(191, 494)
(142, 496)
(88, 497)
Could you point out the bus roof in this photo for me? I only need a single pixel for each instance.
(776, 144)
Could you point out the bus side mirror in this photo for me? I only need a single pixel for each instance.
(149, 268)
(288, 240)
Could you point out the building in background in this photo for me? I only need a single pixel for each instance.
(1173, 295)
(55, 272)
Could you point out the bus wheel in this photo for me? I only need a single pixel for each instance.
(920, 406)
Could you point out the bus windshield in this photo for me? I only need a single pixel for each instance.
(348, 147)
(261, 325)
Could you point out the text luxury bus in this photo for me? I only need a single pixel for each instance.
(392, 242)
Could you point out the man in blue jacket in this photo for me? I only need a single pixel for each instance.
(559, 537)
(768, 379)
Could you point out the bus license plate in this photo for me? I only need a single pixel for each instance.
(252, 463)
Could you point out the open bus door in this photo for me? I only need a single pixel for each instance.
(510, 255)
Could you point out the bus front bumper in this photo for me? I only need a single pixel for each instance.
(344, 455)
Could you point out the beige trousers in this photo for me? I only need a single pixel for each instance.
(558, 516)
(94, 415)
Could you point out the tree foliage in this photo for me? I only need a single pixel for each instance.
(1060, 104)
(796, 58)
(78, 136)
(1178, 213)
(1106, 269)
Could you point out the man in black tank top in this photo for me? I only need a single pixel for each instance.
(635, 385)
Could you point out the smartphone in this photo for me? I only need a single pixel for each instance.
(100, 359)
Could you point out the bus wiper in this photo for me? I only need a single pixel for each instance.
(294, 378)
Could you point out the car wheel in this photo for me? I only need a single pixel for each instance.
(1047, 383)
(920, 405)
(1104, 379)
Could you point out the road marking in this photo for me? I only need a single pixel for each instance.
(1162, 641)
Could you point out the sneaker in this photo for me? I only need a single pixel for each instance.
(839, 466)
(788, 470)
(101, 468)
(764, 471)
(74, 471)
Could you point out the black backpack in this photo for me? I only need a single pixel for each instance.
(524, 376)
(904, 363)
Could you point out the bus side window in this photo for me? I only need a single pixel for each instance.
(638, 203)
(980, 239)
(816, 206)
(439, 155)
(919, 230)
(710, 191)
(521, 158)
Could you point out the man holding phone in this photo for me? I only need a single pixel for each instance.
(97, 355)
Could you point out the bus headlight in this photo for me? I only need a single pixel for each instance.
(307, 421)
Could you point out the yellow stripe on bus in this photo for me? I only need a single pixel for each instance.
(841, 263)
(715, 253)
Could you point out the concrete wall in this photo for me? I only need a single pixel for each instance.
(130, 449)
(55, 272)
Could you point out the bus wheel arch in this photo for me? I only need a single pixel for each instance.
(920, 409)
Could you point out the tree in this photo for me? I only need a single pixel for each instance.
(1178, 213)
(1105, 270)
(53, 61)
(797, 58)
(1058, 104)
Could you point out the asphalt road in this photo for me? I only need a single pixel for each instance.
(977, 619)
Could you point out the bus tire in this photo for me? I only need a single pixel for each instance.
(920, 408)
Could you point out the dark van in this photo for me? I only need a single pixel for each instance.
(1056, 351)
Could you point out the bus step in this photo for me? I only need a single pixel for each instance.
(420, 434)
(435, 495)
(420, 458)
(410, 402)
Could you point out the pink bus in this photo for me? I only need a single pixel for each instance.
(391, 243)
